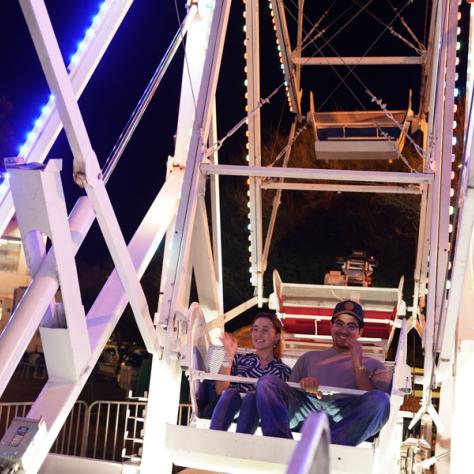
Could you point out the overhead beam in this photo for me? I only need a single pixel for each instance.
(310, 174)
(359, 61)
(350, 188)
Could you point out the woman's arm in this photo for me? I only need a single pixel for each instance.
(230, 346)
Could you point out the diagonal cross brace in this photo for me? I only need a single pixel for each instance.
(86, 167)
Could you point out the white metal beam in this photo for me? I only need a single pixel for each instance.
(29, 312)
(203, 264)
(86, 167)
(278, 10)
(419, 274)
(310, 174)
(49, 124)
(441, 146)
(358, 61)
(216, 214)
(461, 291)
(165, 369)
(40, 207)
(350, 188)
(299, 42)
(179, 260)
(277, 200)
(57, 399)
(252, 49)
(195, 56)
(445, 168)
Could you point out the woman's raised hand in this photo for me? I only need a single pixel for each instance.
(230, 344)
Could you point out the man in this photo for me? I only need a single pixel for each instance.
(352, 418)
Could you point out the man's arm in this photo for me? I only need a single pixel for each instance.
(298, 371)
(363, 381)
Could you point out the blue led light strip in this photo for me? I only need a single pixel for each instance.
(46, 110)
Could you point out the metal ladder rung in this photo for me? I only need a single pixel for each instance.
(136, 418)
(135, 440)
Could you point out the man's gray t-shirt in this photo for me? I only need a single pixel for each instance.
(333, 368)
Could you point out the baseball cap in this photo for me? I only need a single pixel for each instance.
(349, 307)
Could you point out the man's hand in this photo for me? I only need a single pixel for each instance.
(311, 385)
(356, 351)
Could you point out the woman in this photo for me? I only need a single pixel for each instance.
(267, 340)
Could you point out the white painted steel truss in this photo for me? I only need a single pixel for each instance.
(179, 212)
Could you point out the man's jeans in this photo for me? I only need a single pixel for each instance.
(229, 404)
(352, 419)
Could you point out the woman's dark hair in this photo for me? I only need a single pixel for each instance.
(273, 318)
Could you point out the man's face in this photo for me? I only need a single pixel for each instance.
(343, 328)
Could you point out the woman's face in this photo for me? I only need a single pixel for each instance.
(263, 334)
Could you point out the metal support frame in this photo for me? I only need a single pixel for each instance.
(277, 200)
(444, 240)
(439, 233)
(37, 299)
(216, 215)
(79, 76)
(359, 61)
(193, 184)
(86, 167)
(189, 243)
(166, 370)
(428, 71)
(195, 54)
(284, 41)
(419, 275)
(40, 208)
(56, 400)
(349, 188)
(299, 41)
(314, 174)
(252, 51)
(203, 264)
(461, 290)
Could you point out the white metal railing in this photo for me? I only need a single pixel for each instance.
(311, 455)
(107, 430)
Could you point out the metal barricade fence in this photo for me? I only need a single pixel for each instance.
(108, 426)
(69, 438)
(104, 430)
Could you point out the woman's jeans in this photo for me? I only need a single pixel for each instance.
(230, 404)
